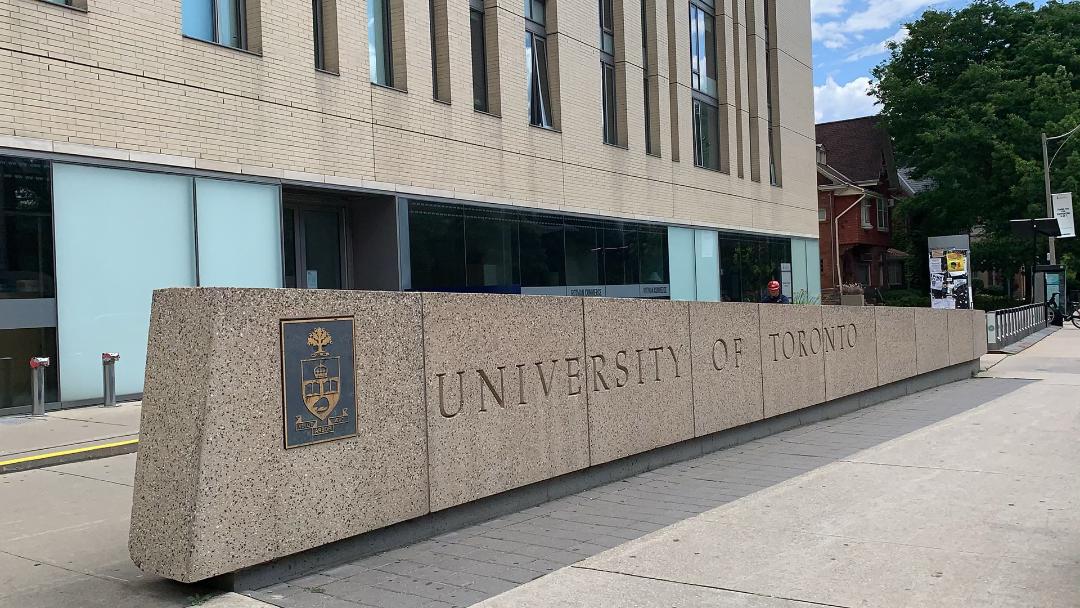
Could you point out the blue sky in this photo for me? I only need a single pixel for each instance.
(849, 40)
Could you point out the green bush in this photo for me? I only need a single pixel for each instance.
(989, 302)
(911, 298)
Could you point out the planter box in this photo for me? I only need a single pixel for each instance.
(853, 300)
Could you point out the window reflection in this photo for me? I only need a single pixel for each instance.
(466, 248)
(748, 263)
(26, 242)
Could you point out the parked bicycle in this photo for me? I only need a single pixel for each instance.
(1053, 310)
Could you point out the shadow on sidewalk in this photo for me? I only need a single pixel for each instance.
(480, 561)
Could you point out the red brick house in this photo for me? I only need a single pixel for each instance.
(857, 185)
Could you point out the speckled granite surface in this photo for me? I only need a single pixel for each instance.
(931, 339)
(726, 365)
(499, 414)
(792, 357)
(851, 364)
(464, 396)
(637, 375)
(895, 343)
(216, 489)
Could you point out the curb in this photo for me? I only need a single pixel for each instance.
(50, 459)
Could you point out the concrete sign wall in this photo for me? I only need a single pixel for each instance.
(459, 397)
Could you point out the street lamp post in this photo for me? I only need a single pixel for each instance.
(1047, 162)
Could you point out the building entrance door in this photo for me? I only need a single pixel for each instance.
(314, 246)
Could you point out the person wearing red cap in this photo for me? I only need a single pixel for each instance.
(774, 296)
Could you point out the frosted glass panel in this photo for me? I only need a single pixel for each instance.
(239, 234)
(681, 261)
(707, 266)
(798, 266)
(119, 235)
(813, 268)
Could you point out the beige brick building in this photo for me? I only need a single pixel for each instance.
(281, 151)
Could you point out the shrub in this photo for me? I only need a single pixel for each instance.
(910, 298)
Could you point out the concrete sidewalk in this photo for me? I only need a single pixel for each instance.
(928, 500)
(980, 509)
(68, 436)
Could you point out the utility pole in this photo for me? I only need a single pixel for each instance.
(1049, 199)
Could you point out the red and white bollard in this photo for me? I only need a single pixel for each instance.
(37, 388)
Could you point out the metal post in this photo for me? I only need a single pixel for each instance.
(1049, 199)
(37, 384)
(108, 377)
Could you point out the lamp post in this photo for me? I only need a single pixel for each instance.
(1047, 162)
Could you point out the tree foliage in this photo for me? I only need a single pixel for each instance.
(965, 98)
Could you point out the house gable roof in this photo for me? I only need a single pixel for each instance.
(860, 149)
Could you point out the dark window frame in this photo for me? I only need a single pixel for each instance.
(608, 87)
(703, 49)
(769, 26)
(388, 51)
(478, 38)
(318, 27)
(538, 79)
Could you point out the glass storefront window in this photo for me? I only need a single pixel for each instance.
(542, 250)
(748, 263)
(466, 248)
(582, 255)
(491, 251)
(437, 240)
(26, 240)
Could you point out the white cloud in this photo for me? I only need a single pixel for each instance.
(875, 15)
(834, 101)
(880, 48)
(827, 8)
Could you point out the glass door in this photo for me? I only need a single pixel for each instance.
(27, 284)
(314, 246)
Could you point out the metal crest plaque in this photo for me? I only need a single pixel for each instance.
(318, 388)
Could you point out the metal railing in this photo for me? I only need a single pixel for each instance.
(1010, 325)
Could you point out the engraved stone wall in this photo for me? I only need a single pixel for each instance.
(459, 397)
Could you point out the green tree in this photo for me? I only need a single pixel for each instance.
(965, 98)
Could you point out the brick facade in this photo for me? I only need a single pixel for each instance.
(119, 81)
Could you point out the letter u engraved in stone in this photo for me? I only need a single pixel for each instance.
(442, 401)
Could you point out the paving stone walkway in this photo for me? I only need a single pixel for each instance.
(479, 562)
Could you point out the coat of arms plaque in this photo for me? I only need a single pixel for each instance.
(317, 380)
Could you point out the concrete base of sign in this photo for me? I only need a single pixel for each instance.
(440, 522)
(248, 450)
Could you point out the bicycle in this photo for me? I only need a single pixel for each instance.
(1053, 310)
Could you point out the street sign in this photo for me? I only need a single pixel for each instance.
(1063, 211)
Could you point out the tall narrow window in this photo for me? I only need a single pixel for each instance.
(646, 80)
(706, 112)
(379, 42)
(607, 71)
(318, 29)
(440, 50)
(324, 29)
(536, 64)
(479, 56)
(218, 21)
(770, 91)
